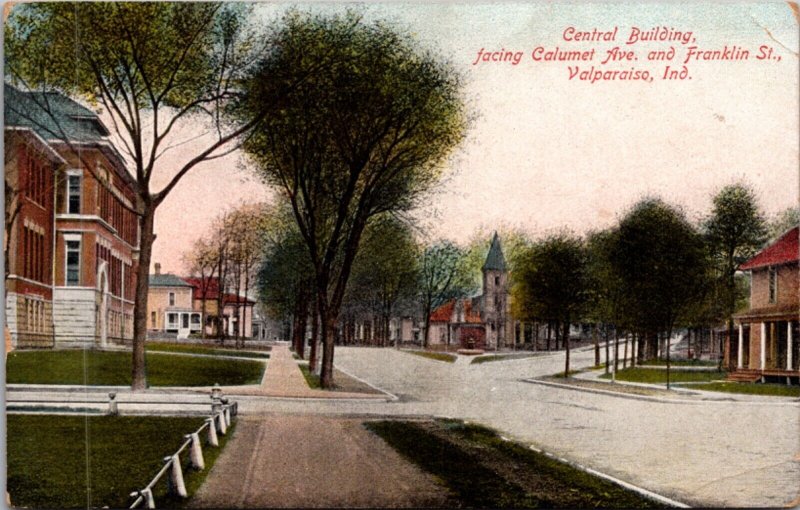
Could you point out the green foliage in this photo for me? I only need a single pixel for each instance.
(48, 468)
(661, 263)
(385, 271)
(735, 231)
(551, 281)
(113, 368)
(787, 219)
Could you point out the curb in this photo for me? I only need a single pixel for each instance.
(662, 400)
(392, 396)
(626, 485)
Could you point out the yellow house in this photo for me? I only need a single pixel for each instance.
(169, 305)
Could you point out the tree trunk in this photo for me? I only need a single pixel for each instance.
(548, 335)
(565, 342)
(596, 345)
(139, 363)
(616, 351)
(312, 357)
(427, 319)
(625, 354)
(608, 349)
(328, 327)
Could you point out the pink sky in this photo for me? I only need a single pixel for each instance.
(546, 152)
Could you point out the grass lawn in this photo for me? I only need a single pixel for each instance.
(311, 379)
(202, 349)
(341, 381)
(777, 390)
(481, 470)
(654, 376)
(48, 468)
(438, 356)
(500, 357)
(682, 363)
(113, 368)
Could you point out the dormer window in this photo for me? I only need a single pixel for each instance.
(773, 284)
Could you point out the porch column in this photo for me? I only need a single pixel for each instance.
(741, 346)
(763, 345)
(789, 345)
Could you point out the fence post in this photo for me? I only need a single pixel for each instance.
(176, 485)
(147, 495)
(196, 452)
(223, 427)
(113, 409)
(216, 399)
(212, 432)
(227, 416)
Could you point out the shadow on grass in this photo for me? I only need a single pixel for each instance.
(484, 471)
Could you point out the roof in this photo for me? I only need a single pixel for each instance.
(212, 291)
(50, 113)
(785, 250)
(495, 260)
(445, 312)
(167, 280)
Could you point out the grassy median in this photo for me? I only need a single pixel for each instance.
(113, 368)
(438, 356)
(775, 390)
(659, 376)
(79, 462)
(482, 470)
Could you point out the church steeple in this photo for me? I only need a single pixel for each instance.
(495, 260)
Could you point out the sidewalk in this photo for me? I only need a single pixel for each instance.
(283, 378)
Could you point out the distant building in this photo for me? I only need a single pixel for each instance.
(93, 243)
(170, 305)
(237, 311)
(768, 340)
(483, 321)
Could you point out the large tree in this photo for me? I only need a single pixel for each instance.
(443, 275)
(385, 273)
(735, 231)
(153, 67)
(364, 136)
(552, 282)
(660, 260)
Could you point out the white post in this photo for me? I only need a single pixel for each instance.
(212, 432)
(741, 346)
(789, 345)
(176, 484)
(149, 501)
(763, 345)
(227, 416)
(196, 452)
(223, 427)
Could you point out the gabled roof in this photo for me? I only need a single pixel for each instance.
(212, 292)
(786, 249)
(50, 113)
(167, 280)
(445, 312)
(495, 260)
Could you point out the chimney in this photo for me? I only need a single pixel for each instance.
(158, 268)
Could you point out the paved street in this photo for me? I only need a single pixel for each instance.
(715, 453)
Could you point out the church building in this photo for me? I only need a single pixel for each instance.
(483, 321)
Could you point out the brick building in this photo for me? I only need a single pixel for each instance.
(768, 342)
(93, 240)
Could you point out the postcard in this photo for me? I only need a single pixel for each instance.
(402, 254)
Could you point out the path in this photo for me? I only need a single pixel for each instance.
(283, 378)
(293, 461)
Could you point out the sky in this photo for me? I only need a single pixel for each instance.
(544, 151)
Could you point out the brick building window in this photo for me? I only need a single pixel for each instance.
(773, 284)
(74, 194)
(73, 249)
